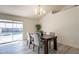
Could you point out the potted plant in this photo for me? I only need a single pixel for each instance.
(38, 29)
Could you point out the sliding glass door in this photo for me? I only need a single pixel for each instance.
(10, 31)
(17, 31)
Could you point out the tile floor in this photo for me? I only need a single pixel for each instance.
(20, 47)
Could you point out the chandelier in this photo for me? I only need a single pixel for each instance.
(39, 10)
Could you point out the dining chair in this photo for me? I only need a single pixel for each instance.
(51, 34)
(37, 42)
(29, 39)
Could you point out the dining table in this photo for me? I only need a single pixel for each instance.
(46, 39)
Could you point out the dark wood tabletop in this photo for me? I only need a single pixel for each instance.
(48, 37)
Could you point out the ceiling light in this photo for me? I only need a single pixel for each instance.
(39, 10)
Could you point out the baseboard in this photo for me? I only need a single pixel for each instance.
(68, 44)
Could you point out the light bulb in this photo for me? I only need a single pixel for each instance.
(44, 12)
(41, 9)
(36, 11)
(40, 13)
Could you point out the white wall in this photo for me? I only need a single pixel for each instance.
(65, 24)
(28, 23)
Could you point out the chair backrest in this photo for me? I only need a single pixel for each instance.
(28, 36)
(44, 33)
(52, 34)
(36, 39)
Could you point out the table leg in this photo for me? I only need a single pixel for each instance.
(55, 43)
(46, 46)
(49, 44)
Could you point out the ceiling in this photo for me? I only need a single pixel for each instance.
(29, 10)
